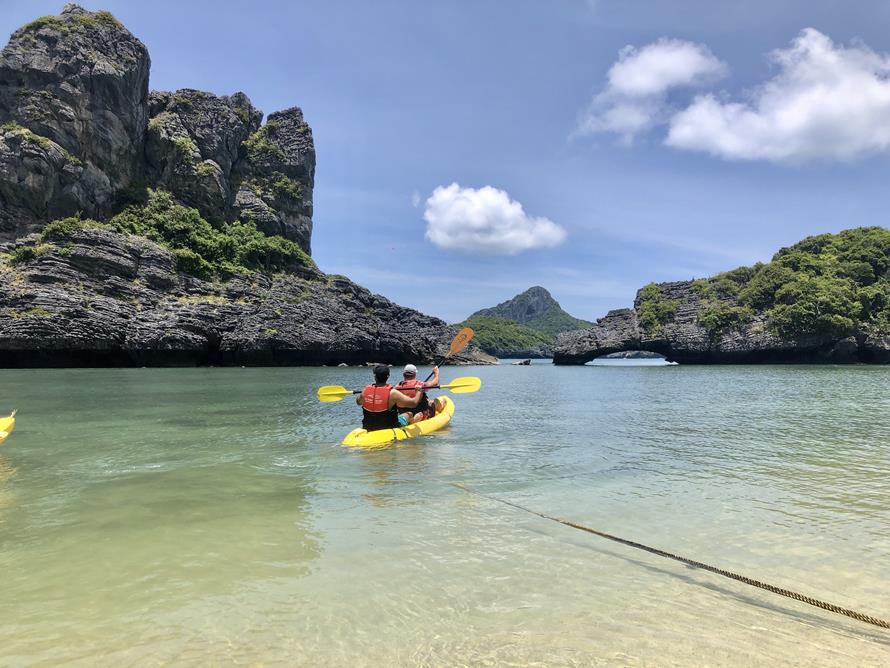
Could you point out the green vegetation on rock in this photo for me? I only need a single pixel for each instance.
(555, 321)
(206, 169)
(205, 250)
(65, 228)
(27, 135)
(720, 311)
(655, 310)
(43, 142)
(243, 114)
(259, 146)
(502, 335)
(36, 312)
(72, 22)
(282, 186)
(159, 121)
(185, 149)
(24, 254)
(277, 186)
(828, 284)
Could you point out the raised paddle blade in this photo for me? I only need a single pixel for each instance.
(330, 393)
(461, 340)
(463, 385)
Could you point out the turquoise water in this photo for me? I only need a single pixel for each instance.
(209, 517)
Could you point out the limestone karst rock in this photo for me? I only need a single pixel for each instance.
(81, 137)
(76, 82)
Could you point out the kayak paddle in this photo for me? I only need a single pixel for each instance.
(459, 343)
(330, 393)
(464, 385)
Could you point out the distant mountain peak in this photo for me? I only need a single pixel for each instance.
(524, 326)
(524, 307)
(537, 309)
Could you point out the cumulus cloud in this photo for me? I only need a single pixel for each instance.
(485, 221)
(635, 96)
(826, 102)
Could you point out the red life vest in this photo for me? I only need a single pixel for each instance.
(375, 398)
(409, 387)
(376, 413)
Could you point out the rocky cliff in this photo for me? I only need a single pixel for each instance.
(825, 299)
(143, 227)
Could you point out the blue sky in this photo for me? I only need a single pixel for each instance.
(748, 133)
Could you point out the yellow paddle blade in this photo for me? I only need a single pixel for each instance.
(330, 393)
(463, 385)
(461, 340)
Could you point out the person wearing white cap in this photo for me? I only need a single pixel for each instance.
(410, 386)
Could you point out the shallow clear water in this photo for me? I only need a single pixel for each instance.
(209, 516)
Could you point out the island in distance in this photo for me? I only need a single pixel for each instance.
(824, 299)
(525, 326)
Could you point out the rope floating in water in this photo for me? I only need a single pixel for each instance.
(830, 607)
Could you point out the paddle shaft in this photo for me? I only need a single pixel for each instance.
(467, 334)
(439, 364)
(395, 387)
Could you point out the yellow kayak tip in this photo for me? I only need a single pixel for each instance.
(362, 438)
(7, 424)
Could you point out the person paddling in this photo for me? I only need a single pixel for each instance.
(381, 402)
(412, 387)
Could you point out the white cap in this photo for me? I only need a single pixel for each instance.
(410, 368)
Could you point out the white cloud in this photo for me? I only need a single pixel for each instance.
(639, 82)
(826, 102)
(415, 199)
(485, 221)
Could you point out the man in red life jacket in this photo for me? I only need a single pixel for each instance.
(381, 402)
(411, 387)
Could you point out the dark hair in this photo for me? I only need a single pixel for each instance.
(381, 373)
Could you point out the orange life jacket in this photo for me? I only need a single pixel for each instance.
(376, 413)
(409, 388)
(375, 398)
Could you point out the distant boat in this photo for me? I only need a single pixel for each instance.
(521, 363)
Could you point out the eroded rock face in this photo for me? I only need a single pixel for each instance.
(193, 143)
(213, 154)
(618, 330)
(79, 80)
(39, 180)
(103, 298)
(276, 177)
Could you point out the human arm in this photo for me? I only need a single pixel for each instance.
(396, 398)
(358, 399)
(434, 378)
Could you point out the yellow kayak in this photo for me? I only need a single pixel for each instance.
(7, 424)
(364, 438)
